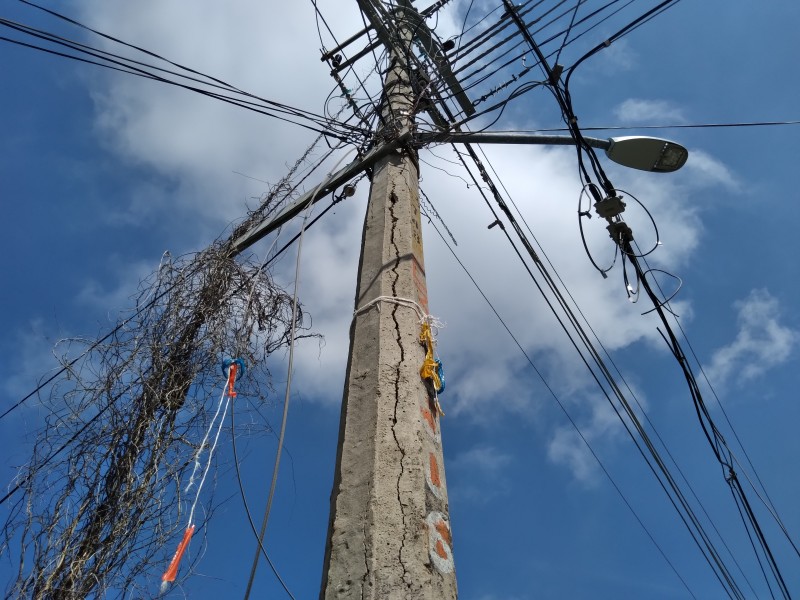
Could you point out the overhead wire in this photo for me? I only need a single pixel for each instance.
(711, 556)
(562, 96)
(676, 497)
(642, 22)
(630, 391)
(319, 16)
(714, 437)
(139, 68)
(723, 444)
(72, 362)
(287, 395)
(249, 105)
(566, 413)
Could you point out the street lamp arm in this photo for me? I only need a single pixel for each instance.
(508, 137)
(637, 152)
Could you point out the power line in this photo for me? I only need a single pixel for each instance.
(564, 410)
(131, 66)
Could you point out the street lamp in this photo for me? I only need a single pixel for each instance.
(647, 154)
(637, 152)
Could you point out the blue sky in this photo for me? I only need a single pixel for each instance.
(102, 173)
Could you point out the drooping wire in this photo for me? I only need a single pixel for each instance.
(566, 413)
(290, 371)
(685, 512)
(142, 69)
(608, 356)
(714, 437)
(72, 362)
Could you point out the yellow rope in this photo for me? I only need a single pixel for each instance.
(429, 370)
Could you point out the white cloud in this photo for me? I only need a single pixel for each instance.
(480, 473)
(710, 171)
(197, 143)
(601, 427)
(486, 459)
(648, 112)
(761, 343)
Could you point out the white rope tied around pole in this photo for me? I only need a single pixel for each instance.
(432, 322)
(424, 317)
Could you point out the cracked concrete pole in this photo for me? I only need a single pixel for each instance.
(389, 533)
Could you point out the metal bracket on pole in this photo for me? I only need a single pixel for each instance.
(433, 49)
(369, 10)
(327, 186)
(379, 19)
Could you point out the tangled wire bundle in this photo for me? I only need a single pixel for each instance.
(101, 500)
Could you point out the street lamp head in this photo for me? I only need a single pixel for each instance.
(646, 153)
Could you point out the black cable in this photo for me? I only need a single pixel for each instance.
(127, 62)
(713, 556)
(52, 455)
(374, 105)
(136, 72)
(566, 412)
(768, 503)
(673, 126)
(128, 65)
(247, 508)
(618, 372)
(569, 30)
(710, 430)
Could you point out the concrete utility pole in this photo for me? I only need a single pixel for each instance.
(389, 533)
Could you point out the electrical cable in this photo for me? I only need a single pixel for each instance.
(128, 65)
(97, 343)
(290, 369)
(712, 557)
(252, 106)
(673, 126)
(617, 370)
(694, 527)
(566, 413)
(713, 435)
(71, 363)
(247, 508)
(569, 30)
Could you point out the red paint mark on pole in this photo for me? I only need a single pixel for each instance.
(440, 542)
(427, 415)
(444, 531)
(440, 550)
(435, 479)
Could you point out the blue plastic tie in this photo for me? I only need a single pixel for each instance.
(240, 366)
(440, 373)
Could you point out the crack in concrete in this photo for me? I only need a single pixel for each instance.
(393, 199)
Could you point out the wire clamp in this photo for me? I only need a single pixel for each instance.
(620, 232)
(609, 207)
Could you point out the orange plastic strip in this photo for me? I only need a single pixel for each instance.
(172, 570)
(231, 380)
